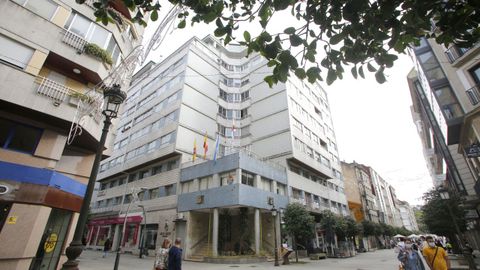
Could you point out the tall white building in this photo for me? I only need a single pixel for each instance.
(275, 145)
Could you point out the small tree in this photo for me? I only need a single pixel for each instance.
(353, 229)
(329, 223)
(298, 223)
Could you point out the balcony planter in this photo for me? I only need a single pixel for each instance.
(75, 97)
(99, 53)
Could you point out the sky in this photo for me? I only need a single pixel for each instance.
(372, 122)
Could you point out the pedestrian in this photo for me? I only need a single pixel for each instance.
(436, 257)
(410, 258)
(175, 256)
(106, 247)
(161, 255)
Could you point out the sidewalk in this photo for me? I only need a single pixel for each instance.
(378, 260)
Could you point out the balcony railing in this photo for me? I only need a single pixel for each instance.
(473, 94)
(59, 93)
(74, 41)
(454, 52)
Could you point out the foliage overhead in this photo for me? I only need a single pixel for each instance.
(437, 217)
(354, 34)
(298, 222)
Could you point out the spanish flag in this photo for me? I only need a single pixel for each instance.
(205, 146)
(194, 150)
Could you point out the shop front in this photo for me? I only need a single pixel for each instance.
(101, 229)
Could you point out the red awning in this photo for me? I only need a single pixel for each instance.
(115, 220)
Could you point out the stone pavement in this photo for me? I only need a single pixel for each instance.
(377, 260)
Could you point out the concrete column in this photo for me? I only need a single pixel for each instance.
(257, 181)
(216, 180)
(96, 236)
(257, 231)
(238, 176)
(274, 186)
(215, 233)
(196, 185)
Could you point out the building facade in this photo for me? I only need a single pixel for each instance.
(444, 89)
(207, 102)
(370, 197)
(46, 71)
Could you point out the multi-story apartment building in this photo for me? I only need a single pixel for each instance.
(361, 185)
(44, 71)
(369, 196)
(202, 96)
(445, 94)
(407, 216)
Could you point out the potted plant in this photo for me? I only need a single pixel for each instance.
(99, 53)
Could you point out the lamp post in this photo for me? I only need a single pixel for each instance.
(142, 241)
(114, 97)
(466, 252)
(119, 249)
(274, 215)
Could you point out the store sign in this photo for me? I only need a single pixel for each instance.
(51, 243)
(473, 150)
(12, 220)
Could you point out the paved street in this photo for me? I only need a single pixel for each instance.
(378, 260)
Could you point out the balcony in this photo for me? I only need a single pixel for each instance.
(59, 94)
(454, 52)
(473, 94)
(74, 41)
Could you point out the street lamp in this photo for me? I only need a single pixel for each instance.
(274, 215)
(466, 252)
(119, 249)
(142, 241)
(114, 97)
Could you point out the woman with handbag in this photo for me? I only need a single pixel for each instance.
(161, 255)
(410, 258)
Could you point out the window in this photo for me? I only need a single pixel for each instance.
(247, 178)
(93, 33)
(154, 193)
(43, 8)
(18, 137)
(14, 53)
(227, 178)
(475, 73)
(144, 174)
(170, 190)
(132, 177)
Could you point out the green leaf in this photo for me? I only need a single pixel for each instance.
(289, 30)
(336, 39)
(360, 72)
(270, 80)
(331, 76)
(246, 36)
(219, 23)
(300, 73)
(370, 67)
(295, 40)
(354, 72)
(154, 15)
(379, 76)
(182, 24)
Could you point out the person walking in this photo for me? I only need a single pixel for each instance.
(410, 258)
(161, 255)
(436, 257)
(106, 247)
(175, 256)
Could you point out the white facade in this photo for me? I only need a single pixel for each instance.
(204, 90)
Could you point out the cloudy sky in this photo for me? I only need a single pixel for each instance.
(373, 123)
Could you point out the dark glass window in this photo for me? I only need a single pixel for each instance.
(247, 178)
(18, 137)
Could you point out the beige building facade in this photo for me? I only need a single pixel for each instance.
(45, 72)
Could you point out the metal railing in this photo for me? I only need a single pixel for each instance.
(473, 94)
(74, 41)
(59, 93)
(454, 52)
(52, 89)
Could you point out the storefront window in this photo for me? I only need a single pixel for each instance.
(52, 240)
